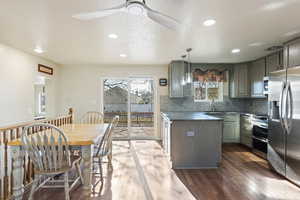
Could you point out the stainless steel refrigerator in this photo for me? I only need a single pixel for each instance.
(284, 123)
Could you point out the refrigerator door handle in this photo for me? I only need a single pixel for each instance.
(289, 109)
(282, 94)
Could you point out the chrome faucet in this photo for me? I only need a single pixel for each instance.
(212, 105)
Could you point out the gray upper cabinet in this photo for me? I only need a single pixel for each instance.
(239, 83)
(286, 56)
(294, 53)
(273, 62)
(257, 72)
(177, 86)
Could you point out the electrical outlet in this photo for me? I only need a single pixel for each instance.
(190, 133)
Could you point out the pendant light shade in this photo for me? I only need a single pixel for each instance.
(184, 79)
(189, 67)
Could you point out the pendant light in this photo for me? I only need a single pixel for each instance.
(184, 80)
(189, 67)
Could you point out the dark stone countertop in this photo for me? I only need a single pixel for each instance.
(190, 116)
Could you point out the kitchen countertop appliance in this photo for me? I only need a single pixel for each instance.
(284, 123)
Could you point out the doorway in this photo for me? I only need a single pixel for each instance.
(133, 99)
(40, 98)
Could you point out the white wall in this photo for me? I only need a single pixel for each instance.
(18, 72)
(81, 84)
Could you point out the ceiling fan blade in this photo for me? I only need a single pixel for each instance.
(163, 19)
(100, 13)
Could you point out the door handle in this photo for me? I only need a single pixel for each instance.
(290, 110)
(281, 105)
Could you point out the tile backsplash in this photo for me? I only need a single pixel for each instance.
(256, 106)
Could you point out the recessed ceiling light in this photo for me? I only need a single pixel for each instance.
(113, 36)
(122, 55)
(255, 44)
(38, 50)
(292, 33)
(235, 51)
(274, 5)
(209, 22)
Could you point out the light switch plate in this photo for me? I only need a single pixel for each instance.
(190, 133)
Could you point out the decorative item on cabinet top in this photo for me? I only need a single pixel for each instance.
(210, 75)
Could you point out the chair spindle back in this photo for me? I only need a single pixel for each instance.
(92, 117)
(47, 146)
(105, 146)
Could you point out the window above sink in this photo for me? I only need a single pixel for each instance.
(209, 84)
(208, 91)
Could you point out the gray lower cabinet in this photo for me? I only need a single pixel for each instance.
(177, 75)
(196, 144)
(246, 130)
(165, 132)
(231, 128)
(239, 83)
(257, 72)
(192, 143)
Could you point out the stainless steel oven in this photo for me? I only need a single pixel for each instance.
(260, 136)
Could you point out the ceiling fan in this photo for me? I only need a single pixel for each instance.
(133, 7)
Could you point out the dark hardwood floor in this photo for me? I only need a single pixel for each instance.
(141, 171)
(241, 176)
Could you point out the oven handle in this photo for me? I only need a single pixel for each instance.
(265, 140)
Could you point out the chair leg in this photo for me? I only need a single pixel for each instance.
(93, 166)
(101, 170)
(109, 157)
(67, 192)
(33, 187)
(79, 172)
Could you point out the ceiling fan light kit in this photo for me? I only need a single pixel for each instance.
(133, 7)
(136, 8)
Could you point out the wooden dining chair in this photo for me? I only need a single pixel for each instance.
(104, 149)
(92, 117)
(47, 147)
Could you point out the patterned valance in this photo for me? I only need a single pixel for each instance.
(209, 75)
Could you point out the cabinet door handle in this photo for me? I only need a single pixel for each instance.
(281, 104)
(289, 109)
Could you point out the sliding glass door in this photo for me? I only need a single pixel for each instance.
(141, 108)
(133, 100)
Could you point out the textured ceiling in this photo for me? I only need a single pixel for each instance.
(48, 23)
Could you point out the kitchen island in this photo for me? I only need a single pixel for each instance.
(192, 140)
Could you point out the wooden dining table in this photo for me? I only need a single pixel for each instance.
(81, 137)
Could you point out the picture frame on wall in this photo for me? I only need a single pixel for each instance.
(45, 69)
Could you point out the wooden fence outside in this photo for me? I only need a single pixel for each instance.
(14, 132)
(138, 119)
